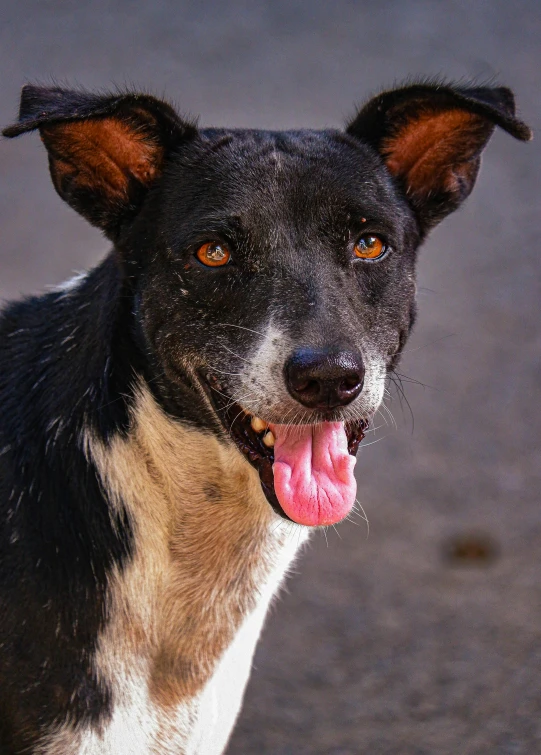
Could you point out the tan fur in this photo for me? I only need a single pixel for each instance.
(424, 151)
(204, 550)
(102, 154)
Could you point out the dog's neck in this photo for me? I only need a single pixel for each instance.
(207, 550)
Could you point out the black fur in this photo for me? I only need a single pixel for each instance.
(69, 361)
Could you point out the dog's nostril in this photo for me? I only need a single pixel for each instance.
(324, 378)
(306, 385)
(310, 389)
(350, 382)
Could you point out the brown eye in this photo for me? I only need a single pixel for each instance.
(370, 248)
(213, 255)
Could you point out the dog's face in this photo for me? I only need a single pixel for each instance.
(283, 262)
(273, 274)
(271, 248)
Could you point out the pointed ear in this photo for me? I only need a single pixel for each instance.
(105, 151)
(431, 138)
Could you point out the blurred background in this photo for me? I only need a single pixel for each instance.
(423, 636)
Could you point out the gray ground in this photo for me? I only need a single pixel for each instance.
(386, 644)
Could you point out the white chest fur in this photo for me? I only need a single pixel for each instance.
(185, 614)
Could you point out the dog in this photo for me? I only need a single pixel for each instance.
(210, 379)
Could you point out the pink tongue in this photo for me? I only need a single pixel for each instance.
(313, 472)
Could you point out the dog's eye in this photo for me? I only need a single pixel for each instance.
(213, 255)
(370, 247)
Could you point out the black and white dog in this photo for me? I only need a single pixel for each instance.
(215, 373)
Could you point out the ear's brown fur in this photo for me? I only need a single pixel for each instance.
(436, 151)
(431, 138)
(103, 155)
(104, 151)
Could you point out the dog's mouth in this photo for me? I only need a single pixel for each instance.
(306, 471)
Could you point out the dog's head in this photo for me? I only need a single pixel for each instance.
(272, 273)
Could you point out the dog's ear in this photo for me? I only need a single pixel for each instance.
(105, 151)
(431, 137)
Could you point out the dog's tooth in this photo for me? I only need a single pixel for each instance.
(269, 439)
(258, 425)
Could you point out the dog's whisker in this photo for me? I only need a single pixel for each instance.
(277, 526)
(325, 533)
(223, 372)
(241, 327)
(403, 399)
(373, 429)
(386, 409)
(371, 443)
(423, 346)
(356, 511)
(379, 411)
(237, 356)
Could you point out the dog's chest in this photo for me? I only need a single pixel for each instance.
(186, 612)
(198, 725)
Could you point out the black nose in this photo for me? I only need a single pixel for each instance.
(324, 378)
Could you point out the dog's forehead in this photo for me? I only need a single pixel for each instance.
(288, 153)
(263, 176)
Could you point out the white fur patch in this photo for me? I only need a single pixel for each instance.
(263, 391)
(66, 287)
(220, 703)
